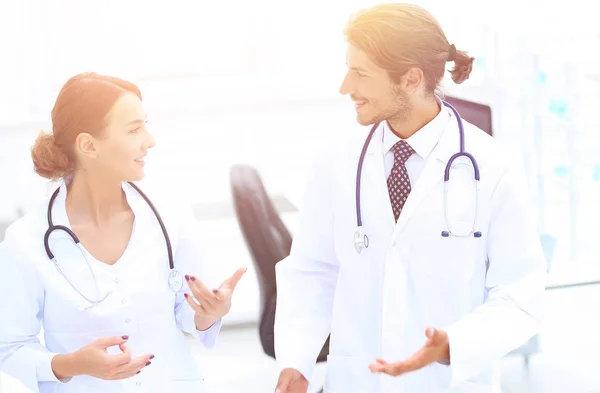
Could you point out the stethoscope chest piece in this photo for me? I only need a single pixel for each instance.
(360, 240)
(175, 281)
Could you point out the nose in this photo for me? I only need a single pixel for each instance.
(150, 142)
(345, 88)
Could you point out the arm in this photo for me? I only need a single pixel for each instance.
(514, 283)
(21, 302)
(189, 260)
(306, 279)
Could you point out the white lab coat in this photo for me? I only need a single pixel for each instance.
(140, 304)
(485, 292)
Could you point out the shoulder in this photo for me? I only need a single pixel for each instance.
(28, 227)
(24, 238)
(173, 208)
(337, 153)
(490, 152)
(500, 164)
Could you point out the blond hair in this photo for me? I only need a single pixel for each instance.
(399, 36)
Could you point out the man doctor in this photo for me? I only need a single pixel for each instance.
(414, 311)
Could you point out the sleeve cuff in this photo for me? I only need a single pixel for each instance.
(209, 336)
(44, 369)
(306, 368)
(464, 363)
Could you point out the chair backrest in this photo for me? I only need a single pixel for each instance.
(266, 236)
(479, 115)
(267, 239)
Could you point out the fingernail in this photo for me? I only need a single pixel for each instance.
(147, 364)
(187, 278)
(193, 278)
(125, 337)
(215, 291)
(139, 372)
(152, 357)
(185, 295)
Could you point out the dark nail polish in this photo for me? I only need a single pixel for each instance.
(193, 278)
(152, 357)
(187, 278)
(125, 337)
(185, 295)
(147, 364)
(215, 291)
(139, 372)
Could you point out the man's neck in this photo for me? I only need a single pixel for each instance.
(419, 116)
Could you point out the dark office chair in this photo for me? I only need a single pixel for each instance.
(268, 241)
(480, 115)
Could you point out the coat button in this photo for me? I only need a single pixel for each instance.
(123, 301)
(138, 383)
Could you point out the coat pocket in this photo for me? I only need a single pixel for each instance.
(449, 258)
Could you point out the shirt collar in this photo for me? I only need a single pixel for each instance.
(425, 139)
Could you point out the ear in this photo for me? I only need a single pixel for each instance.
(84, 144)
(413, 79)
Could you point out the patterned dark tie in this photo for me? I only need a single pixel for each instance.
(398, 182)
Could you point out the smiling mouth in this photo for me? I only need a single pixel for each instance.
(359, 104)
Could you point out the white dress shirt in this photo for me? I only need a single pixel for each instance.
(423, 142)
(33, 293)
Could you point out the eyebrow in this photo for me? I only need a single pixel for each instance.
(137, 121)
(358, 69)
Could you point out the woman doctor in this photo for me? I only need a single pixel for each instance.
(111, 318)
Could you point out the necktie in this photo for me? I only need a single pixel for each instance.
(398, 182)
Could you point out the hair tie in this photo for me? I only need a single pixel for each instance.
(451, 53)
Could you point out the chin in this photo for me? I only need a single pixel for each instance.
(136, 176)
(366, 120)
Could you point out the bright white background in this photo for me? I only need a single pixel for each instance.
(256, 82)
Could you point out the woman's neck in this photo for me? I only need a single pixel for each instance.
(94, 199)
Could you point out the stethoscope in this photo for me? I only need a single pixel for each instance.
(175, 279)
(361, 240)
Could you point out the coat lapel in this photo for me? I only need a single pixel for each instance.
(376, 199)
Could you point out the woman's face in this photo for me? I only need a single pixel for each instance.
(120, 150)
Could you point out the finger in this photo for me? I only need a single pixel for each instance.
(283, 383)
(232, 281)
(124, 374)
(381, 361)
(434, 335)
(194, 305)
(381, 368)
(111, 341)
(201, 291)
(135, 365)
(393, 369)
(416, 361)
(122, 358)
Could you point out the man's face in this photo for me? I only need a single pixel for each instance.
(376, 97)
